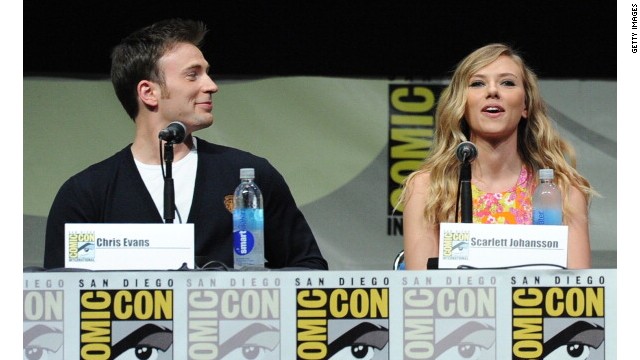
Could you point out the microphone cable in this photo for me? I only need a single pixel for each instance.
(469, 267)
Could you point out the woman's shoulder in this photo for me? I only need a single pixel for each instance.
(419, 179)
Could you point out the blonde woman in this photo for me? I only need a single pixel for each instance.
(493, 100)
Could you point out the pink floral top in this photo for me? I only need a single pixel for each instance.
(510, 207)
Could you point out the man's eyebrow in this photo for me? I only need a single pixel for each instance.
(197, 66)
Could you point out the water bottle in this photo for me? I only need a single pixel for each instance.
(248, 223)
(547, 200)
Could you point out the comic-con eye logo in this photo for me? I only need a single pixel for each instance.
(145, 342)
(256, 341)
(576, 341)
(41, 342)
(360, 342)
(86, 251)
(472, 340)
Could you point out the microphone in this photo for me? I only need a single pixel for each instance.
(466, 152)
(174, 133)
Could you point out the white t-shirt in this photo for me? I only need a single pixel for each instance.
(184, 178)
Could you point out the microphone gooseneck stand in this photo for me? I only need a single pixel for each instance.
(465, 191)
(169, 194)
(174, 133)
(466, 152)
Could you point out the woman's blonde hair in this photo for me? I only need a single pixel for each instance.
(539, 143)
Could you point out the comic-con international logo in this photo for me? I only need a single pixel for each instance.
(558, 323)
(126, 324)
(82, 246)
(233, 324)
(456, 245)
(342, 323)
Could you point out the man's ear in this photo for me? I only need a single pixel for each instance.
(147, 92)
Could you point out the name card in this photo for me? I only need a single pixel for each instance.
(129, 246)
(502, 245)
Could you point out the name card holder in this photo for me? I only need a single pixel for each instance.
(129, 246)
(465, 245)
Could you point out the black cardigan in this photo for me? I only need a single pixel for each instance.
(112, 191)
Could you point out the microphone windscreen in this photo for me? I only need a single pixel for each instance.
(175, 132)
(466, 152)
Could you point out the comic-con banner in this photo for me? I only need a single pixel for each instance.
(412, 109)
(443, 314)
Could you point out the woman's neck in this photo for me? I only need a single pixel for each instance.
(497, 167)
